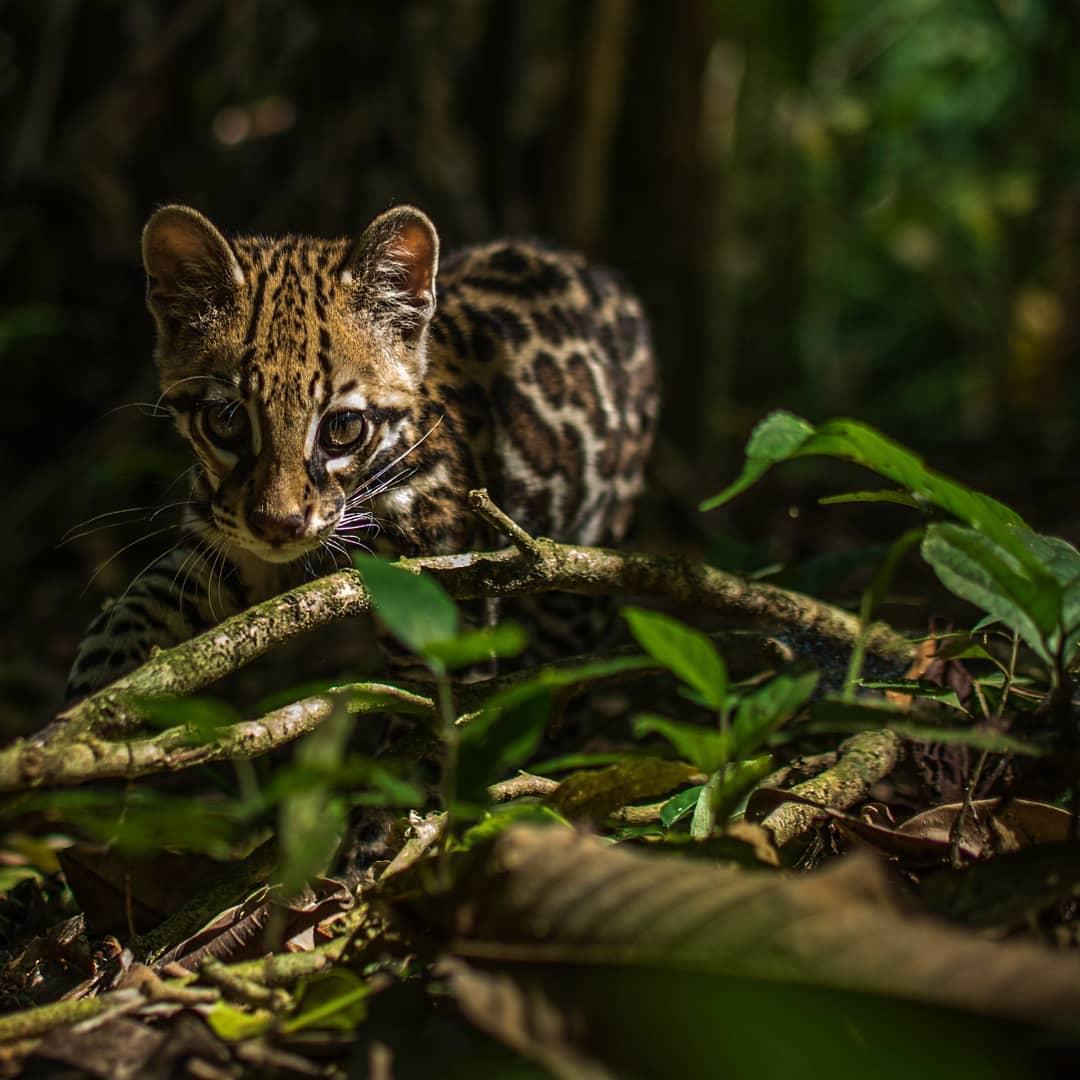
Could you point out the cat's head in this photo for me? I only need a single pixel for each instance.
(291, 365)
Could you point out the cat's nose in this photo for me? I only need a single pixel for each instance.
(278, 528)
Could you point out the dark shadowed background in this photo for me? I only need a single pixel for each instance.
(827, 205)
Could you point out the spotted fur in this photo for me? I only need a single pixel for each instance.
(532, 376)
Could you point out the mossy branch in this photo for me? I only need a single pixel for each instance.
(98, 737)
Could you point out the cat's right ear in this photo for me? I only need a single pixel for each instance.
(190, 267)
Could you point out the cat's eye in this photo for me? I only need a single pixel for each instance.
(342, 431)
(226, 423)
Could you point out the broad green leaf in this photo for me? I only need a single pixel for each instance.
(980, 571)
(706, 748)
(678, 806)
(1063, 562)
(783, 437)
(476, 646)
(336, 999)
(686, 652)
(233, 1024)
(415, 608)
(778, 437)
(723, 790)
(768, 708)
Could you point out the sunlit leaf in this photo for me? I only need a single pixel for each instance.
(686, 652)
(234, 1024)
(414, 607)
(679, 805)
(706, 748)
(335, 1000)
(770, 707)
(980, 571)
(723, 790)
(475, 646)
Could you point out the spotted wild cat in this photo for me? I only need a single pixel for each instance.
(327, 396)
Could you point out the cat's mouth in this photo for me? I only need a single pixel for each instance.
(277, 552)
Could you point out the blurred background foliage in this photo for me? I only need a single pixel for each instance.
(833, 206)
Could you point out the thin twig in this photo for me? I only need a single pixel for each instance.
(481, 505)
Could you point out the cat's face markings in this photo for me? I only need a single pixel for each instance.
(306, 356)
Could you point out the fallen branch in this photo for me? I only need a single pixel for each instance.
(90, 739)
(863, 760)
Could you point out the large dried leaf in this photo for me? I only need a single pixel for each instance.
(554, 895)
(594, 794)
(992, 826)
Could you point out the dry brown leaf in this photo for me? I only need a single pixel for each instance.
(556, 896)
(993, 825)
(593, 794)
(238, 933)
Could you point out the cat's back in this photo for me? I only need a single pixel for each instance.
(549, 360)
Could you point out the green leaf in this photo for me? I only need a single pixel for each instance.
(312, 818)
(891, 495)
(979, 570)
(783, 437)
(777, 438)
(916, 688)
(723, 790)
(679, 805)
(707, 749)
(336, 1000)
(768, 708)
(686, 652)
(414, 608)
(497, 742)
(234, 1024)
(476, 646)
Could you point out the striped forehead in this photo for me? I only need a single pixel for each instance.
(285, 354)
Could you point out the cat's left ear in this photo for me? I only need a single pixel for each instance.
(393, 267)
(190, 267)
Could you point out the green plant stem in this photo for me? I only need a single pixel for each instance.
(451, 739)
